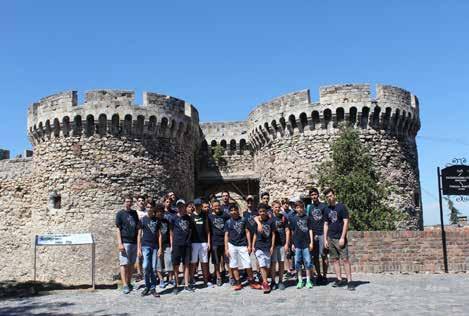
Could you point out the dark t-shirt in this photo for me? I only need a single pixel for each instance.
(249, 218)
(236, 231)
(182, 230)
(316, 212)
(199, 233)
(299, 227)
(169, 214)
(335, 216)
(264, 239)
(226, 207)
(165, 227)
(217, 227)
(150, 231)
(128, 224)
(281, 223)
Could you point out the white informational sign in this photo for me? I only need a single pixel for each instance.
(64, 239)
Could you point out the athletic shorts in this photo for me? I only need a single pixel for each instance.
(166, 259)
(217, 253)
(337, 252)
(263, 257)
(129, 255)
(279, 254)
(239, 257)
(181, 254)
(199, 252)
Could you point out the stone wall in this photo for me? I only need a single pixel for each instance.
(409, 251)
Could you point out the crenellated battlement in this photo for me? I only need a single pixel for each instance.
(111, 112)
(394, 111)
(232, 136)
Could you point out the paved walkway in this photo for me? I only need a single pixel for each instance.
(374, 295)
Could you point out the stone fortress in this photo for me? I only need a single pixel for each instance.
(86, 156)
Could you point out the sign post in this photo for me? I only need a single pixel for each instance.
(66, 240)
(455, 179)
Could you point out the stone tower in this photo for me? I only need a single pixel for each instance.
(86, 156)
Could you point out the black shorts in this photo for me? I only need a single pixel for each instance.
(181, 254)
(217, 253)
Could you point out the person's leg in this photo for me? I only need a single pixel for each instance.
(146, 265)
(203, 257)
(153, 268)
(131, 250)
(325, 267)
(123, 269)
(298, 262)
(194, 260)
(308, 267)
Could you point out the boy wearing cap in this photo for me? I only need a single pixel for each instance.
(264, 243)
(200, 241)
(302, 236)
(217, 220)
(238, 248)
(180, 240)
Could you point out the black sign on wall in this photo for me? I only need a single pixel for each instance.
(455, 180)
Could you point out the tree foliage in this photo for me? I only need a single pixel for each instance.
(454, 213)
(358, 184)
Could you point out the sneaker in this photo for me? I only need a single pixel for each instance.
(274, 286)
(339, 283)
(209, 284)
(254, 285)
(300, 284)
(131, 287)
(154, 293)
(232, 281)
(188, 289)
(163, 284)
(145, 291)
(126, 290)
(265, 287)
(323, 280)
(219, 282)
(175, 290)
(281, 286)
(350, 286)
(172, 282)
(237, 287)
(309, 284)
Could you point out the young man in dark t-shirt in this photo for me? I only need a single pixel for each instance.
(164, 259)
(281, 245)
(264, 243)
(200, 240)
(249, 216)
(238, 248)
(265, 199)
(149, 245)
(316, 211)
(180, 238)
(217, 220)
(128, 226)
(225, 202)
(336, 228)
(302, 236)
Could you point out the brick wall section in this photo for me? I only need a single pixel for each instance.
(409, 251)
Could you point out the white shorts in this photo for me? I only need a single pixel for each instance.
(239, 257)
(199, 253)
(263, 257)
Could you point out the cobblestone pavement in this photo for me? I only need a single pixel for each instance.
(375, 295)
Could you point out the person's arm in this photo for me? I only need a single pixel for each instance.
(311, 240)
(207, 229)
(227, 252)
(160, 244)
(273, 240)
(139, 243)
(120, 245)
(171, 237)
(326, 229)
(248, 236)
(259, 224)
(254, 239)
(287, 237)
(344, 233)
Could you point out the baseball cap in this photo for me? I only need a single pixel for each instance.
(249, 197)
(198, 201)
(180, 201)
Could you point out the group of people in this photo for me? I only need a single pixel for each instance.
(279, 240)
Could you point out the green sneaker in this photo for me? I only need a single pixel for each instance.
(300, 284)
(309, 284)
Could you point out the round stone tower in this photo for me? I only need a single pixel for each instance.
(87, 156)
(291, 136)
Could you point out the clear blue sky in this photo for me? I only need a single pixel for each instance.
(227, 56)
